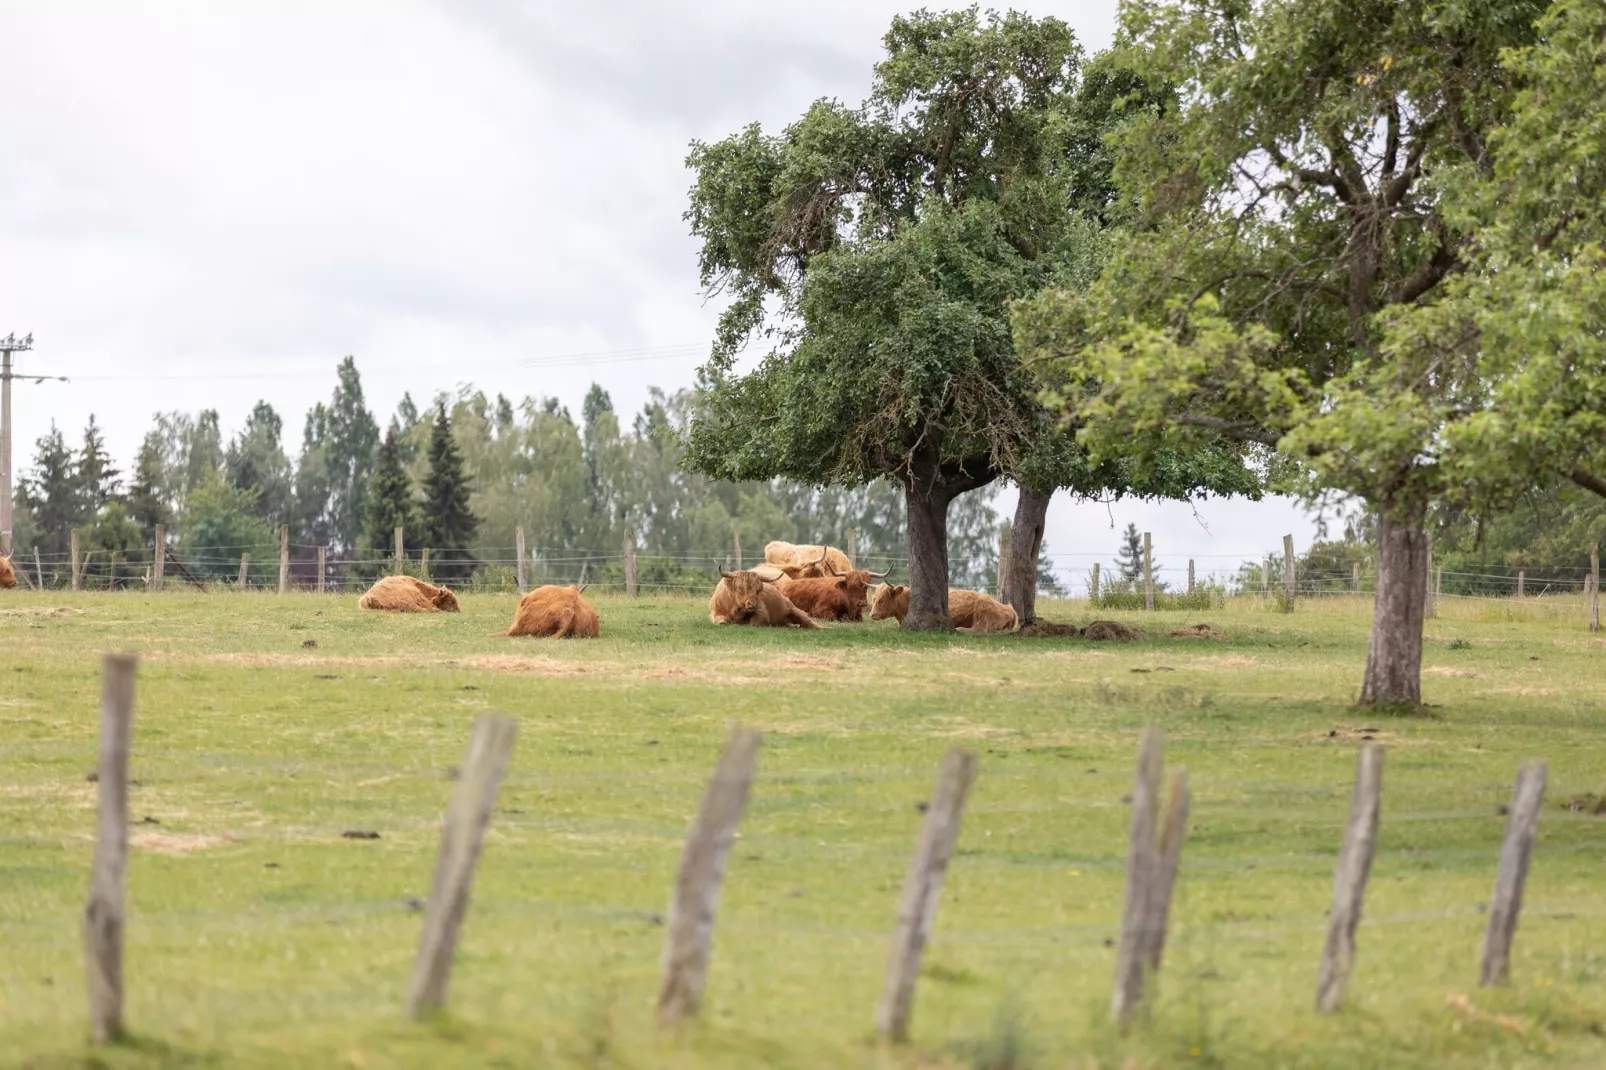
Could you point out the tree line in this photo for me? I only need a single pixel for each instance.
(458, 477)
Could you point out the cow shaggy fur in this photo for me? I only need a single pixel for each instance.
(744, 598)
(404, 594)
(826, 599)
(554, 612)
(970, 611)
(806, 562)
(8, 575)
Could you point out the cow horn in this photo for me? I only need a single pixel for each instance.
(880, 575)
(725, 574)
(823, 551)
(582, 588)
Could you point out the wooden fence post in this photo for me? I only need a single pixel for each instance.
(736, 544)
(1190, 575)
(462, 836)
(702, 870)
(1290, 579)
(77, 566)
(518, 553)
(1355, 577)
(1349, 879)
(423, 562)
(38, 569)
(630, 563)
(245, 571)
(1521, 825)
(1594, 587)
(853, 548)
(1148, 574)
(103, 915)
(159, 564)
(323, 559)
(1173, 828)
(1265, 578)
(400, 553)
(1093, 588)
(1522, 577)
(284, 559)
(1142, 865)
(921, 889)
(1003, 558)
(1432, 610)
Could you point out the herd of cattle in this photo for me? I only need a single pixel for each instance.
(795, 587)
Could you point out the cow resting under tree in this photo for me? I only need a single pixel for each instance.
(745, 598)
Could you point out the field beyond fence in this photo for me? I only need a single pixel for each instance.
(292, 758)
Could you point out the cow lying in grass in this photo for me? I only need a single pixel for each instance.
(8, 575)
(744, 598)
(553, 612)
(806, 562)
(404, 594)
(970, 611)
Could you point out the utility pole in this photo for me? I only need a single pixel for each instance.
(8, 345)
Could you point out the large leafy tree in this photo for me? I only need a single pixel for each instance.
(449, 523)
(1285, 214)
(877, 249)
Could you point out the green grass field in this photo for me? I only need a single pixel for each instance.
(267, 726)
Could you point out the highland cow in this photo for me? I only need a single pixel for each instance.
(744, 598)
(554, 612)
(970, 611)
(825, 599)
(404, 594)
(8, 575)
(806, 562)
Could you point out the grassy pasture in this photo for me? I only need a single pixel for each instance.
(259, 937)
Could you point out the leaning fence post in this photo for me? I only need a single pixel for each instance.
(1173, 827)
(1349, 880)
(1148, 574)
(702, 870)
(77, 566)
(284, 559)
(103, 915)
(462, 836)
(245, 566)
(630, 563)
(918, 908)
(159, 566)
(518, 554)
(1142, 864)
(1521, 826)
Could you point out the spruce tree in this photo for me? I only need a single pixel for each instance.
(97, 479)
(145, 502)
(390, 502)
(1129, 558)
(53, 492)
(449, 524)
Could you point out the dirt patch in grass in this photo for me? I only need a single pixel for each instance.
(177, 843)
(1442, 670)
(806, 661)
(1049, 629)
(1364, 733)
(42, 611)
(680, 674)
(540, 665)
(1110, 630)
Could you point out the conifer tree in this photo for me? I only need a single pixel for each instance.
(53, 492)
(449, 524)
(97, 478)
(390, 502)
(1129, 558)
(145, 502)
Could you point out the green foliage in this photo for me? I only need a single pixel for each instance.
(115, 548)
(256, 461)
(448, 522)
(390, 504)
(203, 450)
(52, 492)
(220, 523)
(96, 476)
(1129, 557)
(147, 503)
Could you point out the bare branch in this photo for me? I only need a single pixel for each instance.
(1589, 481)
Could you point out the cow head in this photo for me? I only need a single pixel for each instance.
(445, 600)
(891, 600)
(746, 590)
(857, 583)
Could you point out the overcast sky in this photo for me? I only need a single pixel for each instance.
(204, 204)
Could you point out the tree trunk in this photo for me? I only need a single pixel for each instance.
(1025, 541)
(926, 497)
(1394, 651)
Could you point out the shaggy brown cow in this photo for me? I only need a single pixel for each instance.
(970, 611)
(744, 598)
(8, 575)
(806, 562)
(825, 599)
(553, 612)
(404, 594)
